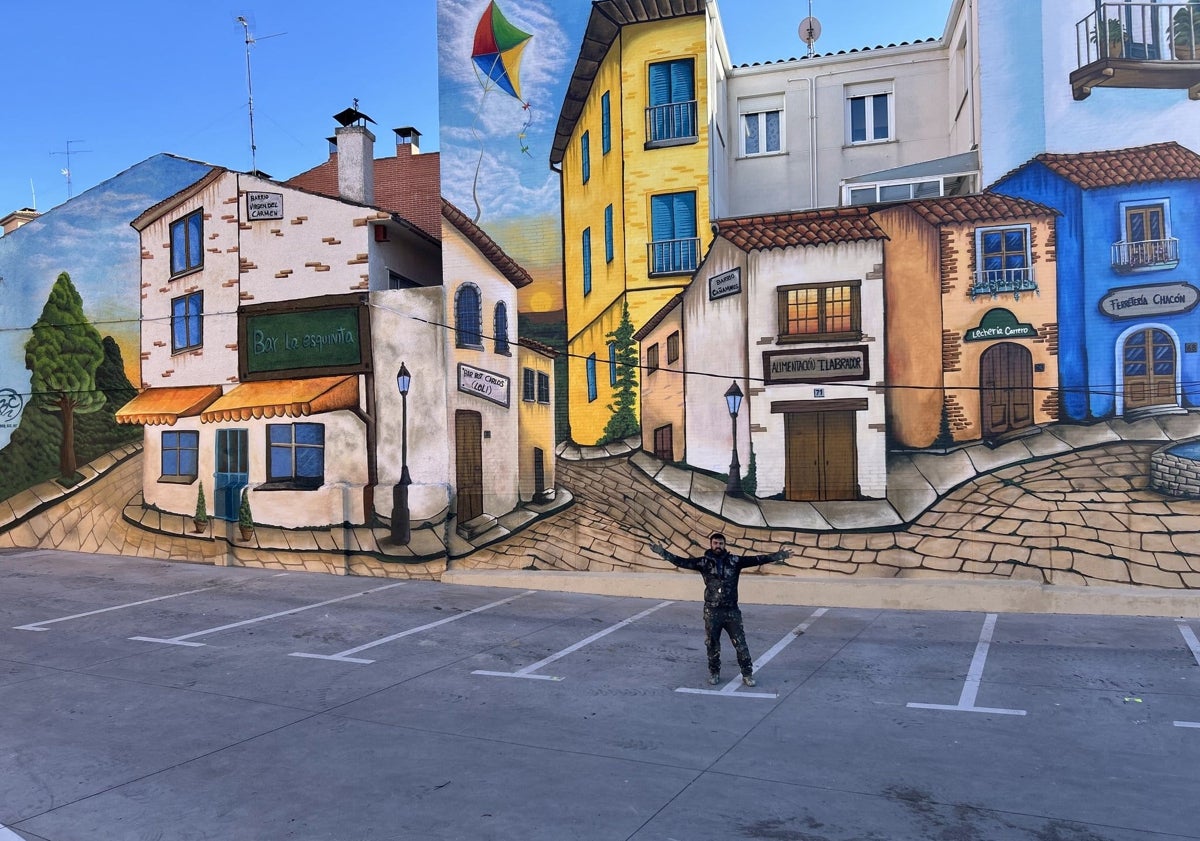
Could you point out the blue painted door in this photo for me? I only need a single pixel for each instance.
(233, 471)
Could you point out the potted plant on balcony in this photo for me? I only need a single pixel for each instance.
(200, 518)
(245, 517)
(1185, 31)
(1111, 34)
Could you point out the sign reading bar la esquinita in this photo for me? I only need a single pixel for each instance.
(725, 284)
(310, 340)
(816, 365)
(1142, 301)
(264, 206)
(486, 384)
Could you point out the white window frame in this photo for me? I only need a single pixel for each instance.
(871, 89)
(1126, 206)
(760, 106)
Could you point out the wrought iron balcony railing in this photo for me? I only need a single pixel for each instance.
(673, 123)
(1148, 255)
(673, 256)
(997, 282)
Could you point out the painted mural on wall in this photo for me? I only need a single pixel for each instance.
(644, 293)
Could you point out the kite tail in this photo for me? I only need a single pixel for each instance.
(524, 132)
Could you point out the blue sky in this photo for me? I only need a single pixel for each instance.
(131, 79)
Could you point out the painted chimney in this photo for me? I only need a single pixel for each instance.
(408, 141)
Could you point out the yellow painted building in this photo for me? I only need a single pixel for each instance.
(632, 149)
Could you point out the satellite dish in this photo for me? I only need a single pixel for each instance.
(809, 30)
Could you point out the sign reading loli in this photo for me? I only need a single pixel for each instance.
(999, 323)
(486, 384)
(818, 365)
(725, 284)
(264, 206)
(1142, 301)
(313, 339)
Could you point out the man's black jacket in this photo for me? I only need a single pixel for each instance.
(721, 572)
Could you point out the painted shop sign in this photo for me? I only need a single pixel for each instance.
(999, 323)
(264, 206)
(306, 338)
(1142, 301)
(816, 365)
(725, 284)
(486, 384)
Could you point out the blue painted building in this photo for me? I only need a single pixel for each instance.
(1128, 244)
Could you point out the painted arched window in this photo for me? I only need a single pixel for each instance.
(500, 331)
(468, 316)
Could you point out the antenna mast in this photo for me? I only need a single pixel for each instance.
(250, 92)
(67, 171)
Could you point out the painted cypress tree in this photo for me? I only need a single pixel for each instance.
(624, 421)
(63, 355)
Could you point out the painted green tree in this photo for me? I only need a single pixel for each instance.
(624, 421)
(63, 355)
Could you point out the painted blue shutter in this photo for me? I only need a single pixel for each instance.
(660, 83)
(605, 124)
(683, 88)
(608, 234)
(686, 257)
(587, 260)
(612, 363)
(585, 143)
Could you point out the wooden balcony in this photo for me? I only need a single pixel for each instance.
(1138, 45)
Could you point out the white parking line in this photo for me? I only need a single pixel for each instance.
(181, 640)
(1189, 637)
(344, 656)
(966, 702)
(731, 688)
(35, 626)
(527, 672)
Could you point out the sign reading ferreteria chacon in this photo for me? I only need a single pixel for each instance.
(1142, 301)
(307, 337)
(725, 284)
(816, 365)
(486, 384)
(999, 323)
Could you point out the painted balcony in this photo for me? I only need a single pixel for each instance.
(1138, 45)
(673, 124)
(997, 282)
(673, 256)
(1146, 256)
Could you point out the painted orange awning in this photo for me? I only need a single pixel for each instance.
(156, 406)
(285, 398)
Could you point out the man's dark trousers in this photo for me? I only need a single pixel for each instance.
(729, 620)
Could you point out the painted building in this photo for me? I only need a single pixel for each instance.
(660, 351)
(972, 324)
(1127, 237)
(536, 423)
(632, 149)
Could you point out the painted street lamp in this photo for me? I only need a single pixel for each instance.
(401, 526)
(733, 401)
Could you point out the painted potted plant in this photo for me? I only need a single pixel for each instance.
(1185, 31)
(200, 518)
(245, 517)
(1111, 34)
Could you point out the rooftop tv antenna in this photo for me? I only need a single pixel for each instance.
(810, 30)
(66, 171)
(250, 41)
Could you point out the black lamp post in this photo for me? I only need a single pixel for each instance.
(733, 400)
(401, 527)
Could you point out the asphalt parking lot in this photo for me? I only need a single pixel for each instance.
(145, 699)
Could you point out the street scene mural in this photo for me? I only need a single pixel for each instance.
(920, 310)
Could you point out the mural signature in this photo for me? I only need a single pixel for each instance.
(11, 404)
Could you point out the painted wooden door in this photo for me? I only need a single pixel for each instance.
(233, 472)
(821, 456)
(1149, 362)
(1005, 388)
(468, 432)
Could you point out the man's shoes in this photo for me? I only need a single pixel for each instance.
(714, 678)
(748, 680)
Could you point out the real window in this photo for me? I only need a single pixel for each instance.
(820, 312)
(673, 347)
(500, 328)
(591, 377)
(586, 250)
(468, 317)
(187, 322)
(761, 133)
(608, 234)
(671, 117)
(528, 385)
(180, 456)
(187, 243)
(585, 150)
(652, 358)
(605, 124)
(296, 454)
(543, 387)
(675, 248)
(891, 191)
(869, 115)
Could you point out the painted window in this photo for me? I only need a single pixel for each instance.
(820, 312)
(673, 347)
(180, 456)
(587, 261)
(1145, 222)
(187, 243)
(612, 363)
(672, 112)
(543, 387)
(585, 149)
(187, 322)
(663, 446)
(468, 317)
(591, 377)
(296, 454)
(1147, 244)
(608, 234)
(500, 328)
(1004, 265)
(529, 385)
(675, 248)
(605, 124)
(869, 113)
(652, 358)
